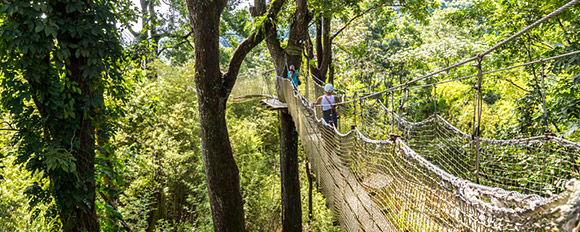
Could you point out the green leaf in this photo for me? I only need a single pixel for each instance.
(39, 27)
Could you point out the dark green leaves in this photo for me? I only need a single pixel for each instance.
(58, 59)
(58, 158)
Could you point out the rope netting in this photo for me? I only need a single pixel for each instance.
(538, 165)
(426, 179)
(252, 86)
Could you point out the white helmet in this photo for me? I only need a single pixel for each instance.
(328, 88)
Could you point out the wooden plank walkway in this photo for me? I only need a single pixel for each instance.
(274, 104)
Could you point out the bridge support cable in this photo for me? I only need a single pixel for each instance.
(543, 92)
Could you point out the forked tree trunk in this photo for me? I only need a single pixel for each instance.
(221, 171)
(213, 88)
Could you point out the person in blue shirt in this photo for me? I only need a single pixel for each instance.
(293, 74)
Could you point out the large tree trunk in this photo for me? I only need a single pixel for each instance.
(68, 95)
(213, 89)
(86, 217)
(284, 57)
(222, 175)
(291, 205)
(82, 216)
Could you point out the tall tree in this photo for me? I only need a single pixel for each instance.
(283, 57)
(58, 59)
(213, 88)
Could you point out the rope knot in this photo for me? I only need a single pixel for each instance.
(393, 137)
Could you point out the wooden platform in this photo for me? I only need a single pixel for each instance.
(274, 104)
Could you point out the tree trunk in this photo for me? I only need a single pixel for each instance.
(213, 88)
(82, 216)
(291, 205)
(222, 175)
(86, 217)
(282, 57)
(323, 50)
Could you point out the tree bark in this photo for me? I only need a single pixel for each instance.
(291, 204)
(213, 88)
(85, 216)
(323, 49)
(284, 57)
(222, 175)
(82, 216)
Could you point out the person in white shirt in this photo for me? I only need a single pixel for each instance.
(328, 102)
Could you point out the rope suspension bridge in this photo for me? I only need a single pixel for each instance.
(385, 173)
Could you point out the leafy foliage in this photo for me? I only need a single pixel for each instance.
(58, 60)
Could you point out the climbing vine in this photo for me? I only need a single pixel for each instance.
(59, 61)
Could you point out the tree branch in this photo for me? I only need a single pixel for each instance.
(327, 48)
(359, 15)
(229, 78)
(310, 51)
(272, 42)
(171, 35)
(511, 82)
(565, 32)
(185, 40)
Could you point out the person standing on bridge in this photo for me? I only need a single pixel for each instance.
(293, 74)
(328, 102)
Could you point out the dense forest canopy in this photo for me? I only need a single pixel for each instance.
(105, 127)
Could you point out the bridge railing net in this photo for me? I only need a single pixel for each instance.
(426, 180)
(538, 165)
(253, 85)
